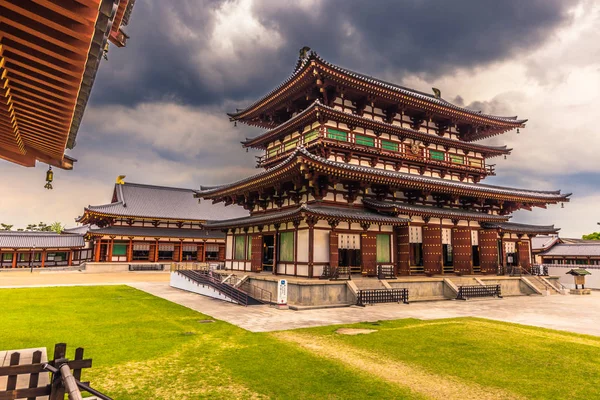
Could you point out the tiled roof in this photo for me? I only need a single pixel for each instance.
(139, 200)
(512, 227)
(78, 230)
(182, 233)
(543, 242)
(327, 212)
(411, 133)
(39, 240)
(409, 179)
(573, 250)
(414, 209)
(304, 63)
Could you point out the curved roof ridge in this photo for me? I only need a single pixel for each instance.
(145, 185)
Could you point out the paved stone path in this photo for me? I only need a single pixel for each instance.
(580, 314)
(24, 278)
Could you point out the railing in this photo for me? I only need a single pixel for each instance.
(540, 270)
(385, 272)
(63, 380)
(208, 278)
(373, 296)
(257, 293)
(146, 267)
(336, 273)
(467, 292)
(395, 148)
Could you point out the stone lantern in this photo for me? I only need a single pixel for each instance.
(579, 278)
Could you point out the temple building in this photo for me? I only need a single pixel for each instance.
(50, 52)
(145, 223)
(362, 173)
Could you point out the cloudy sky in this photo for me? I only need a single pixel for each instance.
(157, 110)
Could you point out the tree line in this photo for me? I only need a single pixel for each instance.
(41, 227)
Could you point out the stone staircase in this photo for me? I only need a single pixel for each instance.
(463, 281)
(542, 285)
(368, 283)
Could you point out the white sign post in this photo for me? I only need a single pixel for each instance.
(282, 291)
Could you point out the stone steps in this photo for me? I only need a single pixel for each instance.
(368, 283)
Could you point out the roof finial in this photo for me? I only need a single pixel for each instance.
(437, 92)
(120, 180)
(304, 52)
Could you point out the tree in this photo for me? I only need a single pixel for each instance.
(592, 236)
(5, 227)
(57, 227)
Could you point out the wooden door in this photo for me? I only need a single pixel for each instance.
(369, 253)
(523, 250)
(403, 250)
(221, 252)
(432, 249)
(488, 251)
(333, 250)
(462, 250)
(256, 253)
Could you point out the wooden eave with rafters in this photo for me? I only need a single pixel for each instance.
(95, 217)
(323, 76)
(318, 112)
(49, 54)
(302, 167)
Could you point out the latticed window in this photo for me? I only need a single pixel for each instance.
(475, 162)
(310, 136)
(291, 145)
(249, 247)
(437, 155)
(391, 146)
(457, 159)
(286, 246)
(240, 248)
(383, 249)
(337, 135)
(365, 140)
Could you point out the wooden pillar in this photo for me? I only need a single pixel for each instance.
(403, 252)
(296, 225)
(110, 249)
(70, 261)
(14, 260)
(43, 257)
(130, 250)
(97, 246)
(276, 248)
(156, 250)
(311, 245)
(180, 250)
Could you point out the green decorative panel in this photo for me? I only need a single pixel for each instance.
(310, 136)
(437, 155)
(457, 159)
(391, 146)
(383, 249)
(286, 246)
(240, 247)
(365, 140)
(119, 249)
(337, 135)
(291, 145)
(273, 152)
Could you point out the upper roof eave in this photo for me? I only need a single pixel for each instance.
(313, 59)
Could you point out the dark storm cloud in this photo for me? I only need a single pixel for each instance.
(170, 43)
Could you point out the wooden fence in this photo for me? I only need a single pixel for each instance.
(66, 376)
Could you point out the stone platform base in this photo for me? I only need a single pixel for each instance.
(580, 291)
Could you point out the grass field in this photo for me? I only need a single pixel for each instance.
(144, 347)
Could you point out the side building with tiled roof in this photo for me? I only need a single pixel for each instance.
(147, 223)
(360, 174)
(26, 249)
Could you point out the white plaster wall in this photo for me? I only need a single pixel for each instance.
(303, 246)
(321, 246)
(303, 270)
(591, 281)
(229, 247)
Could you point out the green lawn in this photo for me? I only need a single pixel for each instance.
(144, 347)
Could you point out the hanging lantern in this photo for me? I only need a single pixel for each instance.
(49, 178)
(518, 131)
